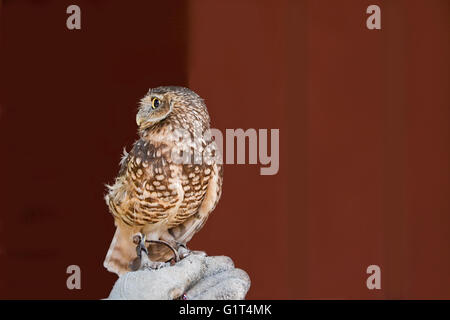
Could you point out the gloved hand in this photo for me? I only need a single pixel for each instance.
(196, 277)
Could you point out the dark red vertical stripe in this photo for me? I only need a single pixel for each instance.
(394, 228)
(296, 151)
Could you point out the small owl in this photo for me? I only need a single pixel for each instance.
(168, 183)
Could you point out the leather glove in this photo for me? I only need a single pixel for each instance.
(196, 277)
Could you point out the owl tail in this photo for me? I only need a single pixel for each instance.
(121, 253)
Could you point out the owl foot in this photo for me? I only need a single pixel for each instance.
(139, 241)
(143, 262)
(183, 252)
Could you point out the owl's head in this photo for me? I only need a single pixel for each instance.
(162, 102)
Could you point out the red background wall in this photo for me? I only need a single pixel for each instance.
(364, 134)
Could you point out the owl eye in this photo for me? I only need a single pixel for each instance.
(155, 103)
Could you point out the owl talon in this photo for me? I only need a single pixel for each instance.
(183, 252)
(139, 241)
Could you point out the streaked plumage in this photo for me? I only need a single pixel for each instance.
(155, 194)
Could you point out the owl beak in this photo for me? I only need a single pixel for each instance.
(139, 120)
(142, 120)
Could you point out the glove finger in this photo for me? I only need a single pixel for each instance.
(184, 274)
(226, 285)
(217, 264)
(211, 265)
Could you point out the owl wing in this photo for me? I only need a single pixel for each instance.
(145, 192)
(148, 188)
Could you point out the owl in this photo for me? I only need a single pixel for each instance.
(168, 183)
